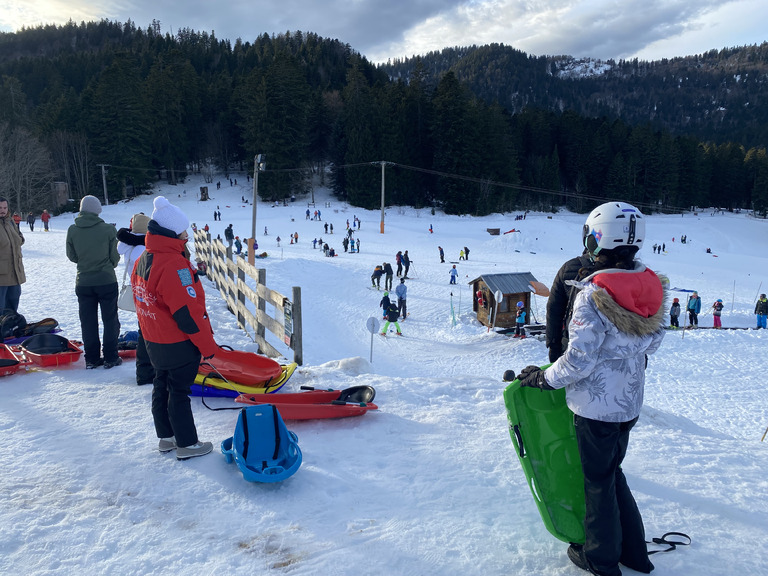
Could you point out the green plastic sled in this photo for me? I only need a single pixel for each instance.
(541, 427)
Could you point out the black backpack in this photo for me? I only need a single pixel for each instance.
(11, 324)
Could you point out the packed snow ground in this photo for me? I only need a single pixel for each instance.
(429, 484)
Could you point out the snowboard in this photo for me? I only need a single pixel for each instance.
(542, 431)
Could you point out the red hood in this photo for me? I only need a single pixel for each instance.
(638, 292)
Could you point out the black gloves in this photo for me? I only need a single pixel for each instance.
(533, 377)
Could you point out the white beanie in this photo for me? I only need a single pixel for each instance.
(90, 204)
(169, 216)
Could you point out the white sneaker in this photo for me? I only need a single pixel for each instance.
(166, 444)
(198, 449)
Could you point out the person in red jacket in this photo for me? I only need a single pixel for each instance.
(170, 305)
(45, 217)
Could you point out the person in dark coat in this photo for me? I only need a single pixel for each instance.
(761, 311)
(392, 315)
(442, 254)
(560, 303)
(406, 264)
(92, 245)
(31, 221)
(388, 274)
(131, 245)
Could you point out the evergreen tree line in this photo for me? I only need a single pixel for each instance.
(147, 106)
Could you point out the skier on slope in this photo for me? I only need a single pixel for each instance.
(392, 315)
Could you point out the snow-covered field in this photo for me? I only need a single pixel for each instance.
(429, 484)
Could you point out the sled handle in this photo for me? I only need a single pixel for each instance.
(519, 441)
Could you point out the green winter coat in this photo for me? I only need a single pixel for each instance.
(92, 245)
(11, 266)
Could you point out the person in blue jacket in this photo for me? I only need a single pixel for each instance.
(520, 321)
(693, 308)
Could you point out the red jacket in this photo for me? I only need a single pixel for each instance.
(170, 303)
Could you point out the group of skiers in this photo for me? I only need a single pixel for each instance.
(693, 309)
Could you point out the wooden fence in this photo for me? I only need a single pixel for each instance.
(244, 288)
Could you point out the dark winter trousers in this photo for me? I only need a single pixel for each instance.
(145, 372)
(693, 318)
(171, 408)
(9, 298)
(388, 282)
(90, 300)
(612, 524)
(402, 307)
(673, 321)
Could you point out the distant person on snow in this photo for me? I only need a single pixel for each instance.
(717, 310)
(454, 273)
(388, 274)
(376, 277)
(618, 319)
(520, 321)
(761, 310)
(674, 313)
(466, 253)
(442, 254)
(406, 263)
(384, 305)
(392, 314)
(693, 307)
(402, 291)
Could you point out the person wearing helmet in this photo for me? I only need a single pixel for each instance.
(384, 304)
(717, 310)
(761, 311)
(520, 321)
(674, 314)
(617, 320)
(454, 274)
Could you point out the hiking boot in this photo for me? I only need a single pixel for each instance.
(94, 364)
(113, 363)
(399, 333)
(166, 444)
(197, 449)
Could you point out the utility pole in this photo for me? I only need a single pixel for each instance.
(104, 182)
(259, 165)
(383, 165)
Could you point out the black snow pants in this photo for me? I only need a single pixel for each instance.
(612, 524)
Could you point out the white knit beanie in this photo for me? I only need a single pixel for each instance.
(169, 216)
(90, 204)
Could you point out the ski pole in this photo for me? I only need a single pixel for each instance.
(758, 292)
(764, 433)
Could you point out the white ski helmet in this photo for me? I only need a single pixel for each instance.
(611, 225)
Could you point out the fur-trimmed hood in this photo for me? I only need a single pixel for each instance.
(635, 301)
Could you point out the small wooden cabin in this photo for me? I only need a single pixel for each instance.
(514, 287)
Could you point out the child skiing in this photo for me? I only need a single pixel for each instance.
(454, 273)
(384, 305)
(674, 313)
(392, 315)
(520, 321)
(717, 309)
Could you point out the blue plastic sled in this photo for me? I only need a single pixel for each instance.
(262, 447)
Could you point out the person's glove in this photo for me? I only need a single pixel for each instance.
(533, 377)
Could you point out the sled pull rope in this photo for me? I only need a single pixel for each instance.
(673, 544)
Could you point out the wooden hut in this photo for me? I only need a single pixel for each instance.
(514, 287)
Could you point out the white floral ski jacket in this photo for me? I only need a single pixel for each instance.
(618, 318)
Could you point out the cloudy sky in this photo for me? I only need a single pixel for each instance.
(382, 29)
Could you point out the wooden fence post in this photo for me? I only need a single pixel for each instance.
(261, 304)
(298, 350)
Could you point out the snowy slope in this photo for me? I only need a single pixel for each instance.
(428, 485)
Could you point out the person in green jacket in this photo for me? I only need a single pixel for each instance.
(92, 245)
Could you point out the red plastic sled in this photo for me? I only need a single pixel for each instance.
(48, 349)
(292, 411)
(245, 368)
(9, 363)
(316, 404)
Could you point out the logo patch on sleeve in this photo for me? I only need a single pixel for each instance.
(191, 292)
(185, 276)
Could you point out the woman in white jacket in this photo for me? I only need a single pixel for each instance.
(617, 320)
